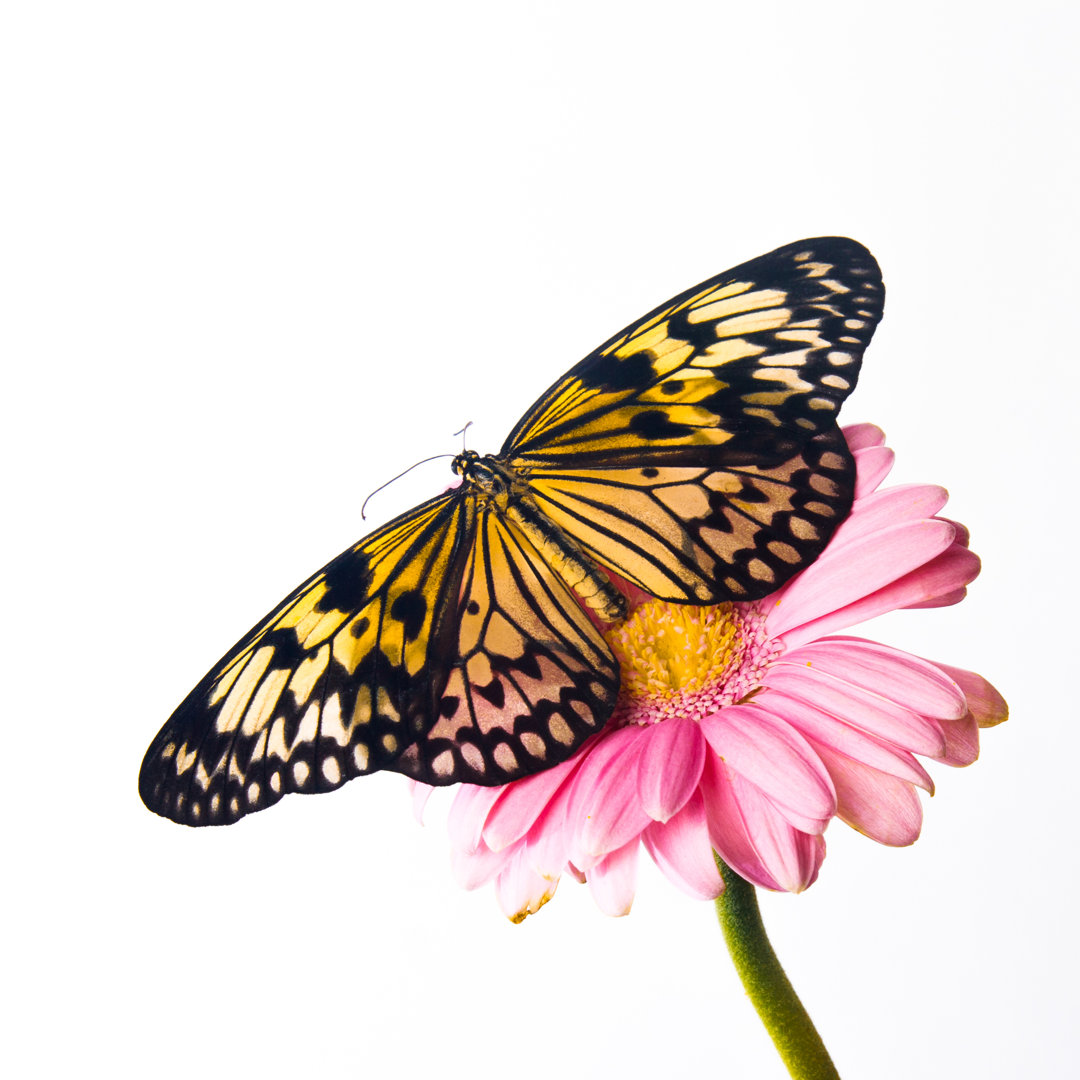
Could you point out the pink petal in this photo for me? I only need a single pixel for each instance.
(612, 881)
(523, 801)
(878, 805)
(860, 436)
(604, 810)
(520, 891)
(669, 767)
(821, 728)
(775, 758)
(841, 578)
(752, 836)
(985, 703)
(420, 794)
(681, 848)
(882, 509)
(945, 600)
(858, 707)
(728, 831)
(908, 680)
(943, 574)
(963, 535)
(548, 841)
(470, 807)
(961, 741)
(478, 867)
(872, 465)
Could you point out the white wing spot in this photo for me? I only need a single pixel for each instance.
(332, 726)
(534, 745)
(300, 773)
(505, 758)
(331, 770)
(783, 551)
(253, 793)
(185, 760)
(824, 486)
(473, 757)
(560, 730)
(360, 756)
(840, 359)
(802, 529)
(760, 571)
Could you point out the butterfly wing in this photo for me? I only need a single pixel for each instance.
(532, 676)
(696, 453)
(336, 681)
(705, 534)
(441, 646)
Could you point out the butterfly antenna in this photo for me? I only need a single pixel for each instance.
(423, 461)
(462, 433)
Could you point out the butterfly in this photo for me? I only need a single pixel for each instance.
(695, 455)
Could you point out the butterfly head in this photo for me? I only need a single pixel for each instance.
(486, 473)
(464, 462)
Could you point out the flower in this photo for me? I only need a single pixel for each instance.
(746, 727)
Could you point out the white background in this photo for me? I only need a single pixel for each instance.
(259, 257)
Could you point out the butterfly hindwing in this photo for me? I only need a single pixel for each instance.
(700, 534)
(532, 676)
(324, 688)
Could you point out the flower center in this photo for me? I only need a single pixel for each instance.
(682, 660)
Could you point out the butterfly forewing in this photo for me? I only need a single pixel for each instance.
(753, 362)
(325, 688)
(532, 675)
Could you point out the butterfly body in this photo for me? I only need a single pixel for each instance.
(509, 495)
(695, 455)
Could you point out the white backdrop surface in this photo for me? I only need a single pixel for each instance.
(257, 258)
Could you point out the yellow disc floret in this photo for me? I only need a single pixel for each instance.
(683, 660)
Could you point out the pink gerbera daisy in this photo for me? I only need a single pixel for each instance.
(745, 728)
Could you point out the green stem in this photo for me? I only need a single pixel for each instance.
(791, 1029)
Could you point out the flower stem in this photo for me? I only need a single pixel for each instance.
(791, 1029)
